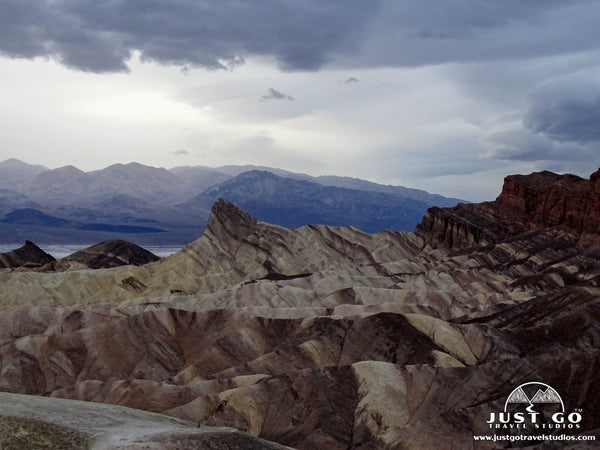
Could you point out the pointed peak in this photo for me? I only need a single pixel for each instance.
(17, 164)
(70, 169)
(229, 218)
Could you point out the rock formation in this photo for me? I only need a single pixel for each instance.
(29, 255)
(111, 253)
(326, 337)
(28, 422)
(538, 201)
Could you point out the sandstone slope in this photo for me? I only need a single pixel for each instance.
(325, 337)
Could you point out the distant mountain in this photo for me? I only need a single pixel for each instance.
(293, 203)
(349, 183)
(133, 198)
(137, 180)
(10, 200)
(34, 217)
(15, 173)
(400, 191)
(58, 185)
(235, 170)
(199, 178)
(30, 216)
(68, 184)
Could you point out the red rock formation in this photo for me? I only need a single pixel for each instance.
(546, 199)
(527, 203)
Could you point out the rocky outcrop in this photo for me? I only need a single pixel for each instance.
(548, 200)
(323, 337)
(29, 256)
(111, 253)
(28, 422)
(527, 203)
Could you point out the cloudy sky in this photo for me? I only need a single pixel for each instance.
(444, 95)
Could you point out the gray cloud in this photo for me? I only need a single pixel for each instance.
(274, 94)
(179, 152)
(567, 110)
(101, 36)
(413, 33)
(520, 144)
(351, 80)
(559, 124)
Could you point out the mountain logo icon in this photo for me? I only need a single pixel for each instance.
(538, 393)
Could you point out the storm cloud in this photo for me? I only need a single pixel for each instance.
(102, 36)
(566, 111)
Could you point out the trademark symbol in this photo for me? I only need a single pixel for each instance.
(578, 410)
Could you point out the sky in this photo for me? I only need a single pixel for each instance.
(449, 96)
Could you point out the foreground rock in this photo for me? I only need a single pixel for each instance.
(37, 422)
(325, 337)
(29, 256)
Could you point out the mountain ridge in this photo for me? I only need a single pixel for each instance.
(292, 203)
(323, 336)
(135, 195)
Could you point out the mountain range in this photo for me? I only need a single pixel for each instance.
(160, 206)
(259, 336)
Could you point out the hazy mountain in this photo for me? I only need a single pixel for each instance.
(400, 191)
(179, 199)
(199, 178)
(69, 184)
(15, 173)
(30, 216)
(349, 183)
(61, 185)
(293, 203)
(137, 180)
(235, 170)
(10, 200)
(34, 217)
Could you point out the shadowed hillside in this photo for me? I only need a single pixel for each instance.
(328, 337)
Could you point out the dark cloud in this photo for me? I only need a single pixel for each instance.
(351, 80)
(523, 145)
(567, 111)
(417, 33)
(101, 36)
(560, 124)
(274, 94)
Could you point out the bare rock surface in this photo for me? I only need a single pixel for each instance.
(538, 201)
(29, 255)
(104, 255)
(325, 337)
(56, 423)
